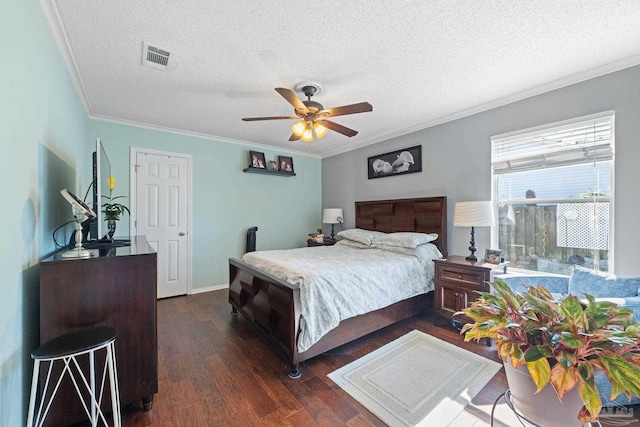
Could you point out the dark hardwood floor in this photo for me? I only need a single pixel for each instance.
(215, 370)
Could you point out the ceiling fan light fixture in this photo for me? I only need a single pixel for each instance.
(307, 135)
(299, 127)
(320, 129)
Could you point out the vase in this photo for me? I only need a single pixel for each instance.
(111, 226)
(544, 408)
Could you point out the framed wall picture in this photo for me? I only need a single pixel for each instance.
(256, 160)
(273, 165)
(286, 163)
(493, 256)
(399, 162)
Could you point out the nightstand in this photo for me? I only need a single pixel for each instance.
(326, 242)
(456, 282)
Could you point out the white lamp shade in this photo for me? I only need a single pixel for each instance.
(474, 214)
(332, 216)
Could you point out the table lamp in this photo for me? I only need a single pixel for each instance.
(79, 208)
(332, 216)
(473, 214)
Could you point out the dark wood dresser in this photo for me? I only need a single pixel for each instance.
(117, 288)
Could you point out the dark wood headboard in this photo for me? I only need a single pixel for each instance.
(420, 215)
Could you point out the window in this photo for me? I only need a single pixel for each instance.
(553, 186)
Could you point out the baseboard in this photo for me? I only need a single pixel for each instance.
(210, 288)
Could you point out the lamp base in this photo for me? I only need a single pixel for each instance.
(77, 253)
(472, 246)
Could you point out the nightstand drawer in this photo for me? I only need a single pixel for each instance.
(461, 276)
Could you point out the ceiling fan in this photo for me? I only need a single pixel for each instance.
(313, 116)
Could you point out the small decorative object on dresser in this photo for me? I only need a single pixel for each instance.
(286, 163)
(493, 256)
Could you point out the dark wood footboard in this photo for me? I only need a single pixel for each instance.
(274, 307)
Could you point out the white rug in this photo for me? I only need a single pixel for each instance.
(416, 380)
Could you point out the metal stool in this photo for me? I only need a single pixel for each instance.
(67, 348)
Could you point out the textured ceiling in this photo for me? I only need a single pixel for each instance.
(418, 63)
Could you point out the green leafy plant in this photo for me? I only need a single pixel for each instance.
(561, 341)
(112, 211)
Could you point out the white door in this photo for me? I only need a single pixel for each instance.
(162, 214)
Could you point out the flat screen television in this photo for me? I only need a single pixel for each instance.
(101, 173)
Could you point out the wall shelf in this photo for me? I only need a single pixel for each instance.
(268, 172)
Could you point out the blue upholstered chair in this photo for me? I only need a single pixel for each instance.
(620, 290)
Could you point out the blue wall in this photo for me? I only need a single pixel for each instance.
(226, 201)
(42, 150)
(46, 141)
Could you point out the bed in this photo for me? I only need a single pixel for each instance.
(275, 306)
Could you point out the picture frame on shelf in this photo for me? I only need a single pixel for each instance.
(256, 160)
(273, 166)
(286, 164)
(493, 256)
(399, 162)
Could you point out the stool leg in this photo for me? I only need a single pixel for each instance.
(113, 380)
(34, 387)
(92, 380)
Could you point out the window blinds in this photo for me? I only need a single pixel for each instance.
(584, 140)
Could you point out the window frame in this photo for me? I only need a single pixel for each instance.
(495, 230)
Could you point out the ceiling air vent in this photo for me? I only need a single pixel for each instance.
(155, 57)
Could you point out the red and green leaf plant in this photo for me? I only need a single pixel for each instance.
(562, 341)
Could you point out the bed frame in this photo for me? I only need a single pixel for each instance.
(273, 305)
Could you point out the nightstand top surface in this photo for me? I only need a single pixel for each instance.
(461, 260)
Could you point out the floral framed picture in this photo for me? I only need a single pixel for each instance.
(493, 256)
(286, 164)
(399, 162)
(256, 160)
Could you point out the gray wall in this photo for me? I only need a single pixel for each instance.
(457, 156)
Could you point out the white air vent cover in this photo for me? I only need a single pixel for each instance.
(155, 57)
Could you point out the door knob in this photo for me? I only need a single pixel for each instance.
(182, 233)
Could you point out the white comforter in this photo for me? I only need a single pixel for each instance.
(338, 282)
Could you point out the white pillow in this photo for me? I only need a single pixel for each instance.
(404, 240)
(352, 244)
(359, 235)
(427, 251)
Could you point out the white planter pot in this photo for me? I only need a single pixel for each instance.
(544, 408)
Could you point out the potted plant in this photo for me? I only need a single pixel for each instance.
(112, 211)
(562, 342)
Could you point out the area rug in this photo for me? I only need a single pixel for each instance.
(416, 380)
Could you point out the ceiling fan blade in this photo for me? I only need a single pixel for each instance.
(253, 119)
(293, 100)
(294, 137)
(361, 107)
(339, 128)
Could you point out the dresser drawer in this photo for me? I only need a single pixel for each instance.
(461, 277)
